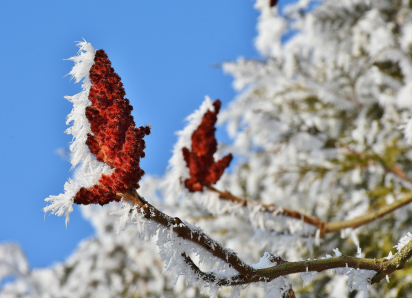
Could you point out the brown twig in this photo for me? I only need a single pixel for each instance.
(394, 169)
(324, 227)
(270, 208)
(367, 218)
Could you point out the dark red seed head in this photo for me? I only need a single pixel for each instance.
(115, 140)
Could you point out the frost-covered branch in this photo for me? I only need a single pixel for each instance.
(383, 266)
(323, 226)
(185, 232)
(270, 208)
(316, 129)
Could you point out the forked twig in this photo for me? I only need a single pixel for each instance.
(184, 232)
(248, 274)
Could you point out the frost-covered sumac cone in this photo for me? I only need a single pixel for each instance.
(103, 127)
(203, 168)
(115, 139)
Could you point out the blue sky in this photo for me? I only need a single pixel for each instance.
(165, 53)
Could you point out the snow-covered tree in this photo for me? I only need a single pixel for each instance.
(322, 141)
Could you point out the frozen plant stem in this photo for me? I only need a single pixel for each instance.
(367, 218)
(186, 233)
(248, 275)
(324, 227)
(271, 208)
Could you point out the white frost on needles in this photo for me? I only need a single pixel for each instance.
(91, 170)
(177, 170)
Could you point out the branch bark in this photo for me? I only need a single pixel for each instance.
(183, 231)
(367, 218)
(324, 227)
(270, 208)
(248, 274)
(384, 267)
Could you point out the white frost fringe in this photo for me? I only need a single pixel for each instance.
(171, 248)
(91, 170)
(403, 241)
(359, 279)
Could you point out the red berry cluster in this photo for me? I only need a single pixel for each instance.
(203, 169)
(115, 139)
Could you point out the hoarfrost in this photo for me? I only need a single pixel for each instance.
(337, 252)
(403, 241)
(276, 288)
(172, 247)
(90, 170)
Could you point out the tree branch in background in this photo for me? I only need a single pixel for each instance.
(367, 218)
(324, 227)
(394, 169)
(270, 208)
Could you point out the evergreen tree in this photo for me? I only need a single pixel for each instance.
(322, 142)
